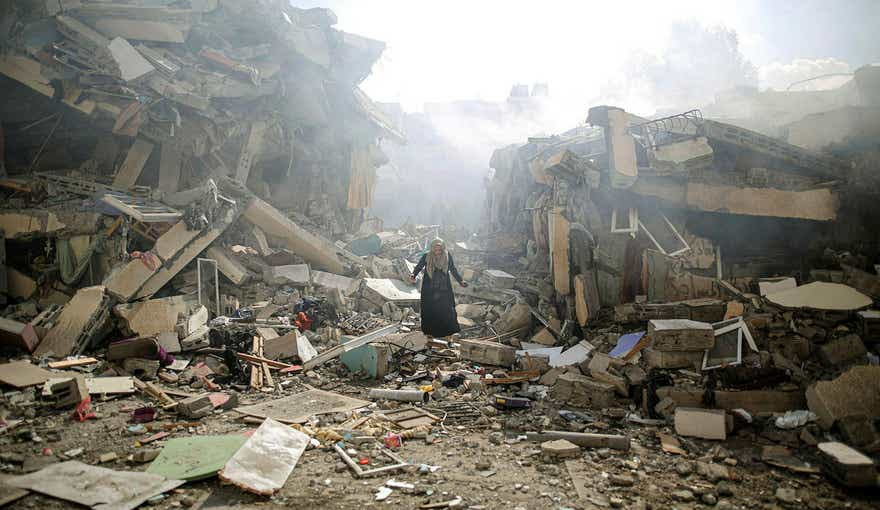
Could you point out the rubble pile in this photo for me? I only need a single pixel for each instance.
(199, 311)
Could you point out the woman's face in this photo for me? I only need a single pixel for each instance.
(438, 249)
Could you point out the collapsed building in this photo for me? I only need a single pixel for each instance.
(188, 254)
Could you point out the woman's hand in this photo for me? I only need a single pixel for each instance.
(463, 283)
(412, 279)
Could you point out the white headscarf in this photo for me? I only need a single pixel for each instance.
(434, 261)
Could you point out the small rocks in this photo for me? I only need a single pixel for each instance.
(496, 438)
(622, 480)
(709, 499)
(786, 495)
(684, 496)
(724, 489)
(684, 468)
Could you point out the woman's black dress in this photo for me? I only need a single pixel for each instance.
(438, 303)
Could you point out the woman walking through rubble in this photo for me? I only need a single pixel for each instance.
(437, 302)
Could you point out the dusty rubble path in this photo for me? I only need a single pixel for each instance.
(486, 468)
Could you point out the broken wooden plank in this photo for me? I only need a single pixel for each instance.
(70, 363)
(131, 168)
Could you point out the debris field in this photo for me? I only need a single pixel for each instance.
(198, 310)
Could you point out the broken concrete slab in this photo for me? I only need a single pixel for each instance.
(516, 317)
(108, 489)
(821, 296)
(680, 335)
(701, 423)
(153, 316)
(753, 401)
(299, 407)
(229, 266)
(293, 274)
(488, 353)
(847, 465)
(344, 284)
(387, 290)
(131, 168)
(19, 285)
(815, 204)
(22, 374)
(81, 320)
(672, 359)
(499, 279)
(774, 285)
(855, 393)
(263, 464)
(317, 251)
(578, 390)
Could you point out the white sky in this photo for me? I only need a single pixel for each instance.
(476, 49)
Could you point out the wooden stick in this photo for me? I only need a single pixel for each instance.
(72, 363)
(259, 359)
(612, 441)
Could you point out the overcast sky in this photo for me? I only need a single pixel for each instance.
(455, 49)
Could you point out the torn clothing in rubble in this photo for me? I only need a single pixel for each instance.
(437, 301)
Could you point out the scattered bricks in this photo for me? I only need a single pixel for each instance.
(143, 369)
(581, 391)
(855, 393)
(847, 465)
(560, 449)
(634, 374)
(843, 351)
(195, 407)
(681, 335)
(487, 353)
(858, 431)
(701, 423)
(143, 456)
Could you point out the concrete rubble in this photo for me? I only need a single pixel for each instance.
(194, 290)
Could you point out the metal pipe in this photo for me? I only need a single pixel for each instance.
(400, 395)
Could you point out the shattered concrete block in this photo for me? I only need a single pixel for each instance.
(473, 312)
(499, 279)
(848, 465)
(518, 316)
(196, 340)
(293, 274)
(344, 284)
(488, 353)
(681, 335)
(195, 407)
(83, 318)
(560, 449)
(843, 351)
(665, 408)
(701, 423)
(543, 337)
(855, 393)
(18, 334)
(582, 391)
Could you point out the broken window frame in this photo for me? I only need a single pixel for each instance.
(205, 261)
(633, 227)
(727, 326)
(674, 230)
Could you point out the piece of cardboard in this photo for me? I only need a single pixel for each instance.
(22, 374)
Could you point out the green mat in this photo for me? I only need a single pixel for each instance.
(196, 457)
